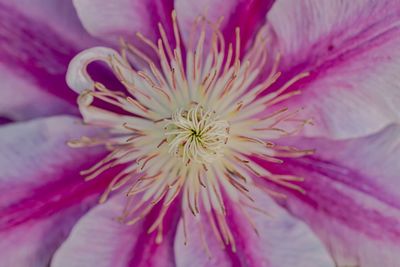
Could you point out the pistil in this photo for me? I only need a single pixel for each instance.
(196, 135)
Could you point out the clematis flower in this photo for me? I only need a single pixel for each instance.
(247, 133)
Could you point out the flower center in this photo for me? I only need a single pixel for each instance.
(190, 107)
(196, 135)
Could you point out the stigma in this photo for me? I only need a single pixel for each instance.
(187, 128)
(196, 135)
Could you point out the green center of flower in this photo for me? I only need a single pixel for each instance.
(196, 134)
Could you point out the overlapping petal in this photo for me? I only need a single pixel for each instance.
(99, 239)
(269, 237)
(34, 242)
(351, 199)
(42, 193)
(110, 20)
(351, 50)
(21, 98)
(248, 15)
(37, 40)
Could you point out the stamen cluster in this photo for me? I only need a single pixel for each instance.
(211, 110)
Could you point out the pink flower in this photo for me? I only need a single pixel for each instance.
(210, 142)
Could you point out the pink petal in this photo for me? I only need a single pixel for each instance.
(110, 20)
(21, 99)
(37, 41)
(58, 15)
(98, 239)
(351, 50)
(35, 154)
(33, 243)
(352, 200)
(248, 15)
(5, 120)
(200, 238)
(282, 240)
(41, 191)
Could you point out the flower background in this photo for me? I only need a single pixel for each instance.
(350, 215)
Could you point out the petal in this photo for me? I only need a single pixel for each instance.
(99, 239)
(352, 200)
(37, 40)
(281, 240)
(201, 239)
(351, 50)
(4, 120)
(248, 15)
(110, 20)
(33, 243)
(59, 15)
(325, 29)
(40, 187)
(35, 153)
(21, 99)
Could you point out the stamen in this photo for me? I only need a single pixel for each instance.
(193, 128)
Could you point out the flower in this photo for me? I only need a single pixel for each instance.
(169, 139)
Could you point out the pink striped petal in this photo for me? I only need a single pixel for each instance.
(202, 248)
(282, 240)
(100, 240)
(37, 41)
(352, 199)
(41, 191)
(248, 15)
(33, 243)
(110, 20)
(351, 49)
(58, 15)
(21, 99)
(35, 154)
